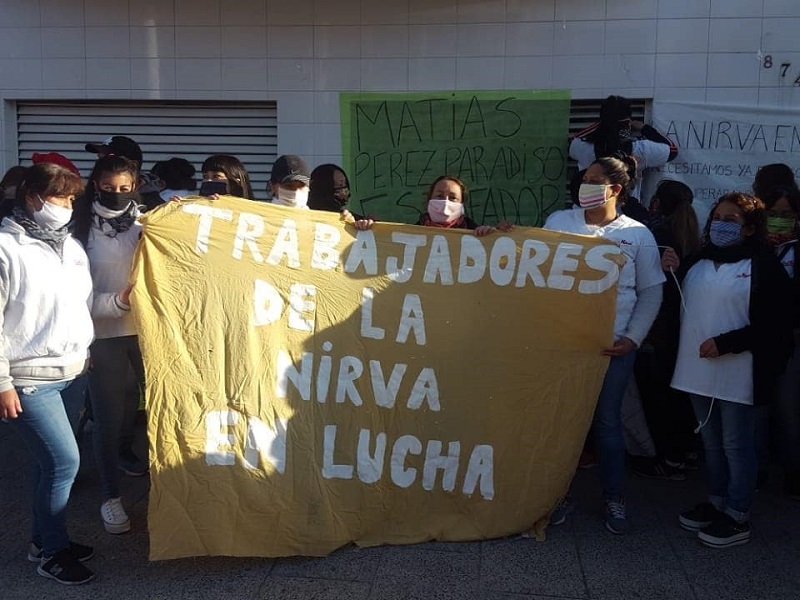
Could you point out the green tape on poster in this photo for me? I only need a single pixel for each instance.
(509, 147)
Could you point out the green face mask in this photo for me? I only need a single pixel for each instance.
(780, 225)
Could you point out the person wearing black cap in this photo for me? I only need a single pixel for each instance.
(289, 181)
(176, 177)
(117, 145)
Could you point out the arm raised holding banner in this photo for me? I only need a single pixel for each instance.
(445, 208)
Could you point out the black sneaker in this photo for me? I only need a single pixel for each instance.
(79, 551)
(724, 531)
(792, 485)
(690, 463)
(762, 479)
(699, 517)
(657, 469)
(64, 568)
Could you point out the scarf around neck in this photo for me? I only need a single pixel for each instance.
(121, 223)
(731, 254)
(51, 237)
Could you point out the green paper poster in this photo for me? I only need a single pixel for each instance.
(509, 147)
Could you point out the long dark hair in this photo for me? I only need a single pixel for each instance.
(606, 137)
(238, 177)
(320, 196)
(773, 175)
(792, 195)
(108, 165)
(675, 204)
(12, 178)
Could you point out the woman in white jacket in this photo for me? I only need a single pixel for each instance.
(107, 226)
(45, 300)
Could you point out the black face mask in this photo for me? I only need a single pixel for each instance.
(117, 200)
(341, 195)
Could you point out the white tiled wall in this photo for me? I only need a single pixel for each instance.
(303, 53)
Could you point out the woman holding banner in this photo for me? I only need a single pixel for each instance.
(606, 185)
(445, 207)
(107, 225)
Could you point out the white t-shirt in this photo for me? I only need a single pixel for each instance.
(648, 155)
(717, 301)
(643, 267)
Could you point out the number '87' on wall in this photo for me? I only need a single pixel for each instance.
(784, 67)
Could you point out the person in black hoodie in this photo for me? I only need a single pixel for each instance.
(330, 188)
(783, 205)
(734, 343)
(668, 412)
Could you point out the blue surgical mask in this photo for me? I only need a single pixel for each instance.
(725, 233)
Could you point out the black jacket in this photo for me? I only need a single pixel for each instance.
(769, 334)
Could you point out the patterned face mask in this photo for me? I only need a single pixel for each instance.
(591, 195)
(725, 233)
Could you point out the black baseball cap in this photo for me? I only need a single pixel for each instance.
(118, 145)
(290, 167)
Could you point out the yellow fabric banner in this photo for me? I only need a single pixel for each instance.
(309, 385)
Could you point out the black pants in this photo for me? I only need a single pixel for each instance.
(668, 412)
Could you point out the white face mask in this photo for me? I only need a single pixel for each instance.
(52, 216)
(105, 212)
(293, 198)
(444, 211)
(591, 195)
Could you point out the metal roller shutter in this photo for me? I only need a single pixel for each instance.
(191, 130)
(583, 113)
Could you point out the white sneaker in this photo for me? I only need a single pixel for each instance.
(115, 519)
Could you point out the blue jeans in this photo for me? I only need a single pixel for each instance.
(47, 424)
(113, 405)
(607, 425)
(730, 454)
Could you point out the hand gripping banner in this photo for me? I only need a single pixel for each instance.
(309, 386)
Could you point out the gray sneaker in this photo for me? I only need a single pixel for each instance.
(616, 517)
(563, 509)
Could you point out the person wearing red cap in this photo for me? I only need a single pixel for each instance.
(55, 158)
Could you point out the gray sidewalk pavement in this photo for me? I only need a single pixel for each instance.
(579, 560)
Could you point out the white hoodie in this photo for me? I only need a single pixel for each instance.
(110, 258)
(45, 302)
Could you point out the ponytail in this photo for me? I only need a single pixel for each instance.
(621, 170)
